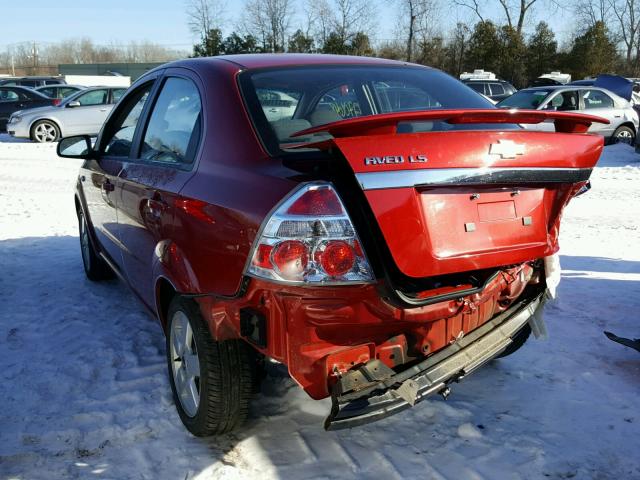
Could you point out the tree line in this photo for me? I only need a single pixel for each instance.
(605, 36)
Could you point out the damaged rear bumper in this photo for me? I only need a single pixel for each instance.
(374, 391)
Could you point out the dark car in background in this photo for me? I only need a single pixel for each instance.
(32, 82)
(15, 98)
(494, 89)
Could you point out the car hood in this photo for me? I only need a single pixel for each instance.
(616, 84)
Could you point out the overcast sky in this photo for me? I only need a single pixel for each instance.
(163, 21)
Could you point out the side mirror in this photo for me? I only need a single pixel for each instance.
(73, 104)
(78, 146)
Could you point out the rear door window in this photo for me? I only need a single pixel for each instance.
(402, 97)
(174, 127)
(596, 99)
(116, 94)
(478, 87)
(496, 89)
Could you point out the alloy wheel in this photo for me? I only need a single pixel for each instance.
(624, 136)
(185, 364)
(45, 132)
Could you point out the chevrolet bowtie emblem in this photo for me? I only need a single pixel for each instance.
(506, 149)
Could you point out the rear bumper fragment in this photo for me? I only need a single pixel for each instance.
(381, 392)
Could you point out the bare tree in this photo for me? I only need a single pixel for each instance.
(591, 11)
(320, 18)
(204, 15)
(416, 22)
(353, 16)
(627, 13)
(515, 11)
(269, 20)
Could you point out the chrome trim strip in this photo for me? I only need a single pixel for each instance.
(469, 176)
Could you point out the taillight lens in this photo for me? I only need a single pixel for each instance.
(310, 239)
(56, 102)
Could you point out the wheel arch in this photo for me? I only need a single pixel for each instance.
(49, 119)
(165, 291)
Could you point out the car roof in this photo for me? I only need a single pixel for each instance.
(269, 60)
(563, 87)
(59, 85)
(489, 80)
(20, 87)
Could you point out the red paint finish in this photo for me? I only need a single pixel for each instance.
(194, 228)
(387, 123)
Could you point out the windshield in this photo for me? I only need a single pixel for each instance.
(287, 100)
(525, 99)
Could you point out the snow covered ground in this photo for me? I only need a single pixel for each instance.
(85, 394)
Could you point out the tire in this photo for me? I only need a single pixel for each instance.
(45, 131)
(623, 135)
(95, 268)
(518, 341)
(215, 378)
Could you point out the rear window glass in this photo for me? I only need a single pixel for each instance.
(525, 99)
(287, 100)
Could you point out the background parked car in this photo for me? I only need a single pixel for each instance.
(596, 101)
(494, 89)
(13, 99)
(59, 91)
(82, 113)
(32, 82)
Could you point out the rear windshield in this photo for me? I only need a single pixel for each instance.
(284, 101)
(525, 99)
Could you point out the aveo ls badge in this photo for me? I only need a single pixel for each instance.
(395, 159)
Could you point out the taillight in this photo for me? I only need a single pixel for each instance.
(56, 101)
(310, 239)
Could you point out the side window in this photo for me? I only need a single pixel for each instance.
(497, 89)
(123, 126)
(477, 86)
(94, 97)
(396, 96)
(8, 95)
(596, 99)
(173, 131)
(565, 101)
(116, 94)
(29, 83)
(49, 92)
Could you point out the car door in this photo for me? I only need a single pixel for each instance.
(151, 180)
(9, 101)
(598, 103)
(100, 183)
(88, 117)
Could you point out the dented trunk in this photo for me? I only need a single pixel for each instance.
(455, 201)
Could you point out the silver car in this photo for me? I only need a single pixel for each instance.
(82, 113)
(590, 100)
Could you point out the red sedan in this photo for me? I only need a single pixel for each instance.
(376, 226)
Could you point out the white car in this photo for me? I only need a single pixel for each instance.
(82, 113)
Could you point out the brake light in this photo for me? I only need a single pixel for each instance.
(310, 239)
(56, 102)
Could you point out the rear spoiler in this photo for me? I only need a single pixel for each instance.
(387, 123)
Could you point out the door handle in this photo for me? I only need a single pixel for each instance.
(156, 206)
(107, 186)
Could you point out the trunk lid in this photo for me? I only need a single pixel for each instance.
(457, 201)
